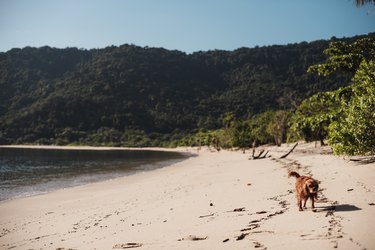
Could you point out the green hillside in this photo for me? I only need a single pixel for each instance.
(133, 96)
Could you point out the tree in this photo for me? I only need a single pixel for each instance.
(353, 131)
(240, 134)
(346, 57)
(277, 127)
(259, 128)
(67, 96)
(313, 116)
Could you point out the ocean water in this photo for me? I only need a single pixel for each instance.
(27, 172)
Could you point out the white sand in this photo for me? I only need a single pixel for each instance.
(195, 199)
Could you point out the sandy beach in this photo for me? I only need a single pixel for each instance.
(213, 200)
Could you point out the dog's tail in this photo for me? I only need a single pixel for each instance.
(294, 174)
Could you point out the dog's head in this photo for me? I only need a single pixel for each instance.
(311, 186)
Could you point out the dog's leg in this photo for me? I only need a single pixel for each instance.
(300, 203)
(312, 201)
(304, 204)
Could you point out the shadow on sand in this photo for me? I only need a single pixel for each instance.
(338, 208)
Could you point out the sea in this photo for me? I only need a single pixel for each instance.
(29, 171)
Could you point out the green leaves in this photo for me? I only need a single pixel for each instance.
(347, 57)
(354, 133)
(312, 118)
(349, 118)
(129, 95)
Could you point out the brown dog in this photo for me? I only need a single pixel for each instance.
(306, 187)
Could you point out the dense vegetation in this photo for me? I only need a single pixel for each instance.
(348, 116)
(345, 117)
(133, 96)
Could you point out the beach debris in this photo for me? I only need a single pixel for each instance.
(127, 245)
(207, 215)
(242, 236)
(248, 184)
(211, 204)
(350, 189)
(372, 204)
(226, 240)
(290, 151)
(193, 238)
(363, 159)
(241, 209)
(260, 155)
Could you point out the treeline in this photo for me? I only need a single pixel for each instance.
(345, 117)
(134, 96)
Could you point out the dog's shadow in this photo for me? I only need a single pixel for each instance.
(338, 208)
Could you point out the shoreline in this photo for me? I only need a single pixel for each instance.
(161, 164)
(24, 190)
(180, 149)
(216, 200)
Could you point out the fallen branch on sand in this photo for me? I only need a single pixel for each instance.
(127, 245)
(290, 151)
(259, 156)
(363, 159)
(208, 215)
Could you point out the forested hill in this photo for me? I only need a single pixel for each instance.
(141, 96)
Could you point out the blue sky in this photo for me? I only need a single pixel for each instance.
(186, 25)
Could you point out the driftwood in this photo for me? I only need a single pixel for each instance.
(260, 155)
(290, 151)
(265, 155)
(364, 159)
(208, 215)
(127, 245)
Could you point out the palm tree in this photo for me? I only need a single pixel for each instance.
(360, 3)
